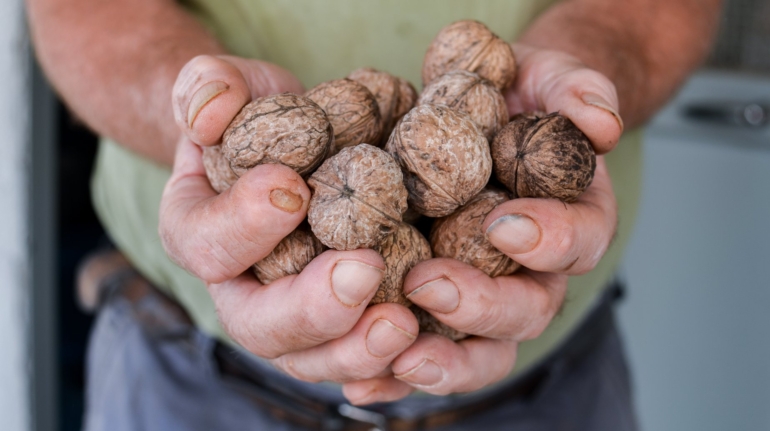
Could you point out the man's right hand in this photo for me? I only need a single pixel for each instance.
(315, 325)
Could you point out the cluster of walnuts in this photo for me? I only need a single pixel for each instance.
(380, 160)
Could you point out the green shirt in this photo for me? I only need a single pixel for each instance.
(319, 41)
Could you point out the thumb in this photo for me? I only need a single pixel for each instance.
(217, 237)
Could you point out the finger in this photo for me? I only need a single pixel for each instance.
(297, 312)
(376, 390)
(217, 237)
(551, 236)
(438, 366)
(551, 81)
(384, 331)
(210, 91)
(517, 307)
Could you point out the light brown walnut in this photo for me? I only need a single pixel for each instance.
(460, 236)
(543, 156)
(358, 198)
(352, 110)
(401, 251)
(468, 92)
(290, 256)
(470, 45)
(284, 128)
(395, 96)
(444, 156)
(428, 323)
(218, 170)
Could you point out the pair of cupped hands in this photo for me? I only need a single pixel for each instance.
(316, 325)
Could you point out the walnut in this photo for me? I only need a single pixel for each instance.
(352, 110)
(401, 250)
(428, 323)
(460, 236)
(395, 96)
(218, 170)
(290, 256)
(444, 156)
(468, 92)
(358, 198)
(470, 45)
(546, 156)
(284, 128)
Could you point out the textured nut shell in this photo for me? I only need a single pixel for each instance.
(352, 110)
(395, 96)
(470, 45)
(284, 128)
(290, 256)
(444, 156)
(401, 250)
(543, 156)
(358, 198)
(468, 92)
(428, 323)
(460, 236)
(218, 170)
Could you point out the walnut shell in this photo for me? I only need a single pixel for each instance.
(428, 323)
(460, 236)
(470, 45)
(395, 96)
(468, 92)
(290, 256)
(444, 156)
(358, 198)
(544, 156)
(218, 170)
(284, 128)
(352, 110)
(401, 250)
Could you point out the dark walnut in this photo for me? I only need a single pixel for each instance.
(543, 156)
(468, 92)
(358, 198)
(218, 170)
(352, 110)
(470, 45)
(285, 128)
(460, 236)
(395, 96)
(444, 156)
(290, 256)
(428, 323)
(401, 251)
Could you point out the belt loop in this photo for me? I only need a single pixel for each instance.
(379, 420)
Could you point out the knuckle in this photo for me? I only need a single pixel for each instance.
(356, 367)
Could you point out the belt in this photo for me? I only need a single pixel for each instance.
(158, 315)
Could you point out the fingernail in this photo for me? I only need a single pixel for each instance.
(598, 101)
(202, 97)
(428, 373)
(439, 295)
(514, 234)
(285, 200)
(353, 282)
(385, 338)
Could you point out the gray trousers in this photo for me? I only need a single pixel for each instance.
(140, 379)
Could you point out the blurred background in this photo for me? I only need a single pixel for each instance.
(695, 314)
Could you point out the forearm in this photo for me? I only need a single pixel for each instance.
(646, 47)
(115, 63)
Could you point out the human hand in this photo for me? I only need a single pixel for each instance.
(314, 325)
(551, 239)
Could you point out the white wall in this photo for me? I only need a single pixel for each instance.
(696, 315)
(14, 264)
